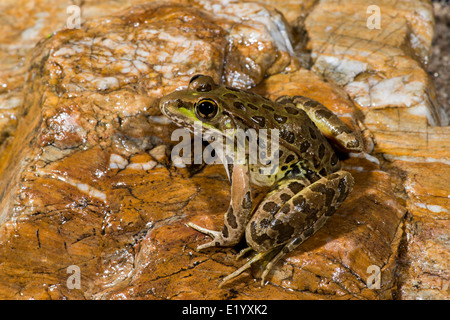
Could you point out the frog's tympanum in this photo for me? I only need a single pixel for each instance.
(306, 189)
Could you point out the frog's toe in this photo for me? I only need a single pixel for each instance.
(233, 275)
(209, 232)
(217, 236)
(243, 252)
(264, 276)
(208, 245)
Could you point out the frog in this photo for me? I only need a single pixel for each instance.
(308, 186)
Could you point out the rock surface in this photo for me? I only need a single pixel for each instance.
(87, 179)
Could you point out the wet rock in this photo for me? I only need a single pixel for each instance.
(381, 66)
(87, 183)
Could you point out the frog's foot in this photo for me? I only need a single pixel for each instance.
(260, 256)
(292, 223)
(233, 275)
(219, 238)
(290, 246)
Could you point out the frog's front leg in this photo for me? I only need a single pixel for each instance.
(238, 212)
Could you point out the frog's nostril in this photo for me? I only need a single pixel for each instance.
(179, 103)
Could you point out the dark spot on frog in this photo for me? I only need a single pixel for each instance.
(288, 136)
(230, 96)
(280, 119)
(331, 210)
(230, 170)
(231, 219)
(299, 202)
(255, 236)
(283, 99)
(301, 205)
(264, 223)
(280, 153)
(225, 231)
(291, 110)
(309, 103)
(323, 172)
(295, 187)
(285, 231)
(271, 207)
(260, 121)
(311, 175)
(267, 107)
(328, 192)
(284, 168)
(316, 162)
(285, 209)
(290, 158)
(285, 197)
(321, 113)
(308, 232)
(295, 170)
(298, 240)
(239, 105)
(304, 146)
(247, 202)
(252, 106)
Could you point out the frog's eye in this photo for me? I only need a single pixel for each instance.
(206, 109)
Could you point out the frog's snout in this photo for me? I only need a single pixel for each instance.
(168, 103)
(176, 108)
(163, 104)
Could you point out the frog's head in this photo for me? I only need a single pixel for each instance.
(202, 101)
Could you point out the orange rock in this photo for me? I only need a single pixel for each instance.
(86, 180)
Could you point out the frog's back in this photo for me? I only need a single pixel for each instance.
(297, 132)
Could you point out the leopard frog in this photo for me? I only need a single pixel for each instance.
(308, 186)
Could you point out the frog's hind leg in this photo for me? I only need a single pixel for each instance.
(286, 226)
(279, 194)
